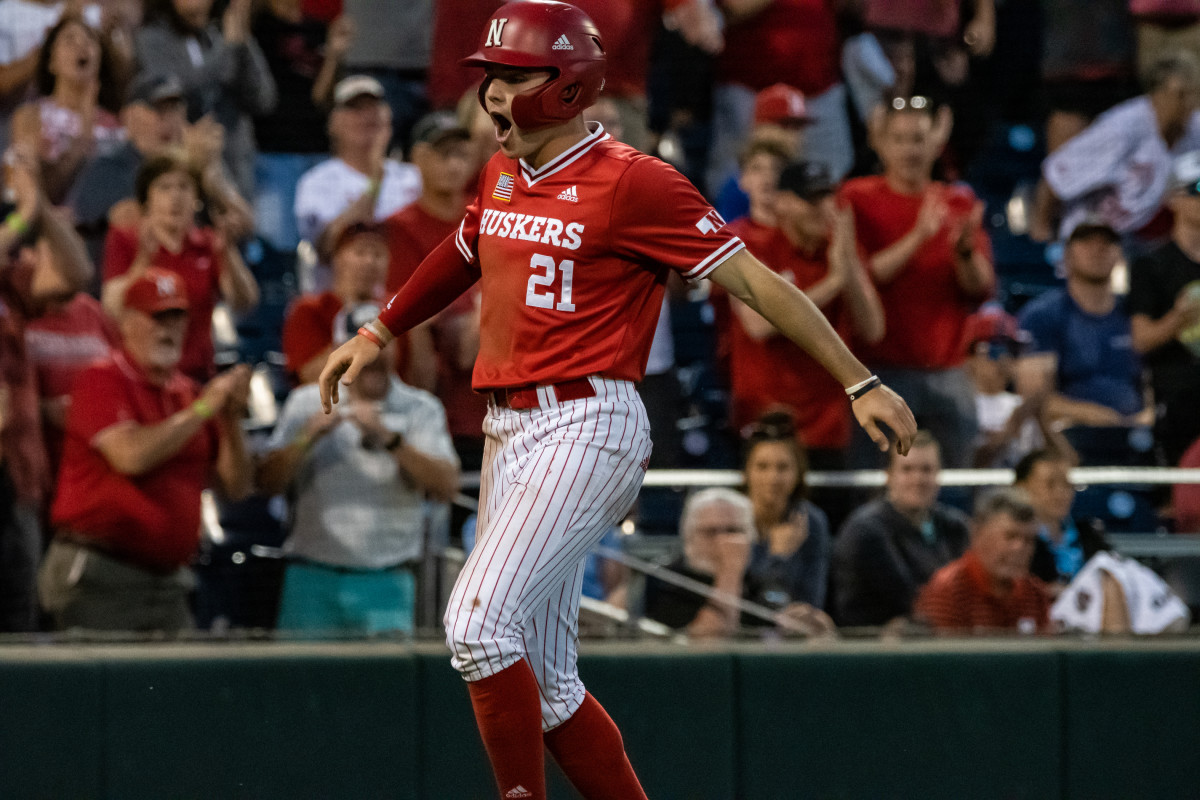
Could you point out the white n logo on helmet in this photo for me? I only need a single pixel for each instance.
(494, 32)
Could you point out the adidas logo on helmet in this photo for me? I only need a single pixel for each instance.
(562, 43)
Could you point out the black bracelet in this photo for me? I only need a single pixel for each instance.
(874, 383)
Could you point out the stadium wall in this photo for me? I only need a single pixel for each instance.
(1038, 720)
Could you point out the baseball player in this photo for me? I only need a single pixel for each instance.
(571, 238)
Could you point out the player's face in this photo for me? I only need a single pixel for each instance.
(912, 480)
(1005, 546)
(1050, 490)
(504, 84)
(772, 474)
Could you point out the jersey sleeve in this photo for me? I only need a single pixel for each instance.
(1090, 160)
(120, 249)
(446, 273)
(659, 217)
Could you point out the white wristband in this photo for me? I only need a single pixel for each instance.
(379, 329)
(860, 385)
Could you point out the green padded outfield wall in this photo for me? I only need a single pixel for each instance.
(1043, 719)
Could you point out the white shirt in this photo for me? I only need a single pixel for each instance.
(328, 189)
(1119, 167)
(353, 507)
(1152, 606)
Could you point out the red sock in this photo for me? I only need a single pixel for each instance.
(589, 749)
(508, 712)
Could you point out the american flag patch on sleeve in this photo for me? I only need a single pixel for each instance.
(504, 187)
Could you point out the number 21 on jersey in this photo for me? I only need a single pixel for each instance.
(539, 292)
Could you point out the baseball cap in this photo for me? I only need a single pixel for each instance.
(780, 104)
(438, 127)
(154, 89)
(347, 321)
(808, 180)
(1185, 173)
(351, 231)
(356, 86)
(993, 325)
(1090, 225)
(155, 291)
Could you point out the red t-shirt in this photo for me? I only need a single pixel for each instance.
(924, 307)
(776, 371)
(199, 263)
(790, 41)
(627, 28)
(960, 597)
(574, 259)
(151, 519)
(63, 343)
(412, 234)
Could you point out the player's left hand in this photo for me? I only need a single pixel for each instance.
(884, 405)
(343, 365)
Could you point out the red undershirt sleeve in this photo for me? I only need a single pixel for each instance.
(442, 277)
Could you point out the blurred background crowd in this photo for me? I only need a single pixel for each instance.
(995, 202)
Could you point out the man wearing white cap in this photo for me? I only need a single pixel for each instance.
(360, 183)
(1164, 301)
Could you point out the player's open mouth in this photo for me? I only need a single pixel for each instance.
(503, 126)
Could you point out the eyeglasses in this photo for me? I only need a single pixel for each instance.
(915, 103)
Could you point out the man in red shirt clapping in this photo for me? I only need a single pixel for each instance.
(142, 442)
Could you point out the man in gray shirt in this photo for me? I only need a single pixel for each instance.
(358, 482)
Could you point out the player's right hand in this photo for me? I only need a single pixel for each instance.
(884, 405)
(343, 365)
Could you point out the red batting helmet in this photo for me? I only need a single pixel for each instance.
(540, 34)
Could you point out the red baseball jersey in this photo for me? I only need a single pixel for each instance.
(573, 259)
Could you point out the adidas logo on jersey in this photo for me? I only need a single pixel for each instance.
(516, 792)
(561, 43)
(569, 194)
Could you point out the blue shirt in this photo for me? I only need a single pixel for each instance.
(1096, 360)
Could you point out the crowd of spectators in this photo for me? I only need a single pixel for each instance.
(159, 153)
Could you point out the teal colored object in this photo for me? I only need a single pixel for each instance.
(323, 600)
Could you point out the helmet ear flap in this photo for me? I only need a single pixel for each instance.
(570, 93)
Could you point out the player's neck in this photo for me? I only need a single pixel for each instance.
(552, 142)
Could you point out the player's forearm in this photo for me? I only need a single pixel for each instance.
(790, 311)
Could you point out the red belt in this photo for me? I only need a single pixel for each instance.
(520, 398)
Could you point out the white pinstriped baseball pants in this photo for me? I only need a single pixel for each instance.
(554, 479)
